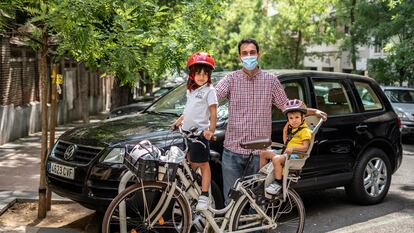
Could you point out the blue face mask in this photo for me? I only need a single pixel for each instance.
(249, 62)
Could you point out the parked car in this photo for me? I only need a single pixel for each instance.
(358, 147)
(402, 100)
(140, 104)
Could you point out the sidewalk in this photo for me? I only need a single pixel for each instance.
(19, 169)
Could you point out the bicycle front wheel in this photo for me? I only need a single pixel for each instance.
(288, 215)
(135, 210)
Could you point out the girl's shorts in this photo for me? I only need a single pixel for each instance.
(199, 153)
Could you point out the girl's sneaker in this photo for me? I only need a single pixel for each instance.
(202, 203)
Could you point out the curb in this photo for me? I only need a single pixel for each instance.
(12, 197)
(50, 230)
(5, 204)
(406, 152)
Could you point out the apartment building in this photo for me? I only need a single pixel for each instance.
(329, 58)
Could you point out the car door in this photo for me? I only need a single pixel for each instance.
(336, 138)
(379, 123)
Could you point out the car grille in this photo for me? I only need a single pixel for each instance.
(82, 155)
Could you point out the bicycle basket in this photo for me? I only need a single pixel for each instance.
(142, 160)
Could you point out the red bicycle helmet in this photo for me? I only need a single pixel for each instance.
(295, 105)
(201, 58)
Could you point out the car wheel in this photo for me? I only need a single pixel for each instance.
(372, 178)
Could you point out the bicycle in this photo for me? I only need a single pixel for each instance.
(163, 205)
(148, 177)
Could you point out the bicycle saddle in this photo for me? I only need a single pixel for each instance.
(257, 143)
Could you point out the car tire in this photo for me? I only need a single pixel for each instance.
(372, 178)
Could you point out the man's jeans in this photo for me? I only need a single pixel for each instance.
(233, 165)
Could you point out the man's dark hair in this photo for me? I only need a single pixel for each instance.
(249, 41)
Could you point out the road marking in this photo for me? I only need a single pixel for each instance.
(376, 223)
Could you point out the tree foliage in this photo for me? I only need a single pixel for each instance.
(129, 38)
(384, 23)
(284, 29)
(124, 38)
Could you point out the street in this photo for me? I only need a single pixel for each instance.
(327, 211)
(332, 211)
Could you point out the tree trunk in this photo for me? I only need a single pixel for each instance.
(120, 96)
(297, 49)
(43, 103)
(84, 93)
(141, 87)
(53, 120)
(353, 50)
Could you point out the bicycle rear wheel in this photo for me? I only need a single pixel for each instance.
(289, 215)
(140, 201)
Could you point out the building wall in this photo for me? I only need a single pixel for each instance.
(330, 58)
(20, 91)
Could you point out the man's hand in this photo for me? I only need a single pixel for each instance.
(208, 134)
(321, 114)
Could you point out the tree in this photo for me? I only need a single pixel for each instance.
(31, 22)
(130, 39)
(383, 23)
(135, 40)
(283, 28)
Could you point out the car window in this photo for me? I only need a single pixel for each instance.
(332, 97)
(294, 89)
(174, 102)
(400, 96)
(370, 100)
(161, 91)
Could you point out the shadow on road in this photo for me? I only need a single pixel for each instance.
(331, 209)
(409, 140)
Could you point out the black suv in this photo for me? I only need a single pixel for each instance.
(358, 147)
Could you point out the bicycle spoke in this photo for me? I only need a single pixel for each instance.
(140, 202)
(289, 215)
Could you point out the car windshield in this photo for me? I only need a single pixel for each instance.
(174, 102)
(400, 96)
(161, 91)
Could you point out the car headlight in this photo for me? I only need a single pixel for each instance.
(116, 155)
(403, 115)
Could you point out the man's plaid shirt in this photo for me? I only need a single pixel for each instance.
(250, 106)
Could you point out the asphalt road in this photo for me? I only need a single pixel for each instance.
(332, 211)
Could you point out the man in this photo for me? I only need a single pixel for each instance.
(251, 93)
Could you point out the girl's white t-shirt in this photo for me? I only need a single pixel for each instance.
(196, 111)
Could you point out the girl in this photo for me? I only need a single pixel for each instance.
(200, 112)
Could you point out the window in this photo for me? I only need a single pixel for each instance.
(369, 99)
(331, 97)
(294, 90)
(400, 96)
(329, 69)
(378, 46)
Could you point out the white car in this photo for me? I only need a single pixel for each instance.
(402, 100)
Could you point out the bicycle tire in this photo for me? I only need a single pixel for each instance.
(177, 217)
(289, 215)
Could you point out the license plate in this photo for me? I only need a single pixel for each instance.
(61, 170)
